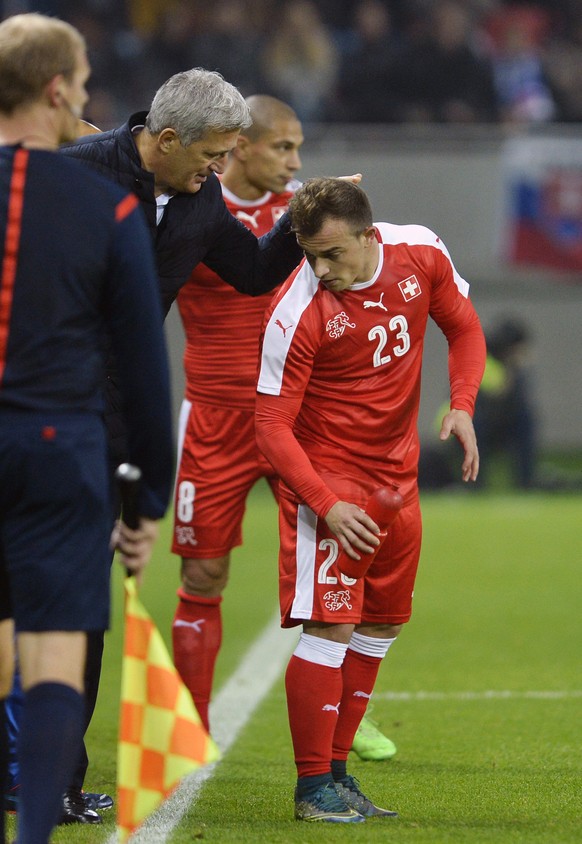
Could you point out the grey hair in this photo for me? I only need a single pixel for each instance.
(195, 102)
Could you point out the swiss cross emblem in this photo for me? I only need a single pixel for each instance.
(410, 288)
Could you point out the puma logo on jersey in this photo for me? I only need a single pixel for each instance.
(280, 325)
(251, 219)
(195, 625)
(330, 708)
(379, 304)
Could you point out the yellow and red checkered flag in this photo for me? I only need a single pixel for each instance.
(161, 738)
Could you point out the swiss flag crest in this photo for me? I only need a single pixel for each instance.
(410, 288)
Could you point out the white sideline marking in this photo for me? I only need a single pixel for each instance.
(240, 696)
(232, 708)
(491, 694)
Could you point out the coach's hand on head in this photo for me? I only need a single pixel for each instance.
(135, 546)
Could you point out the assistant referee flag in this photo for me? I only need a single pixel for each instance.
(161, 738)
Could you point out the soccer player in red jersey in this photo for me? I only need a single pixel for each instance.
(336, 416)
(219, 461)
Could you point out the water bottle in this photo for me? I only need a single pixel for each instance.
(383, 506)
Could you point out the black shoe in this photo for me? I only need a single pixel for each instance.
(75, 810)
(97, 802)
(349, 790)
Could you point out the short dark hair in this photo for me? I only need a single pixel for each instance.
(321, 198)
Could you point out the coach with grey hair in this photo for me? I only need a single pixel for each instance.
(169, 158)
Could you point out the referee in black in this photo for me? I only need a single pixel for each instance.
(76, 275)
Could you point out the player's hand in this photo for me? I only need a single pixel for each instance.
(353, 527)
(460, 424)
(135, 546)
(355, 178)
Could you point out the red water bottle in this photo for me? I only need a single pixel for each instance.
(383, 506)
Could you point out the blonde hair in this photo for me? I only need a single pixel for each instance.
(34, 49)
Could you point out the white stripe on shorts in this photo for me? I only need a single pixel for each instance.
(305, 562)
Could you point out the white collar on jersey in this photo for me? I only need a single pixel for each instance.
(362, 285)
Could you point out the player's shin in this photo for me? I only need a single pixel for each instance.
(359, 672)
(196, 639)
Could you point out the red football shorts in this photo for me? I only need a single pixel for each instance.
(311, 586)
(218, 464)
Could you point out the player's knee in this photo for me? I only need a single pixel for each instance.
(380, 631)
(205, 578)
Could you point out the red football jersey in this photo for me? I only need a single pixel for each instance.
(222, 326)
(350, 362)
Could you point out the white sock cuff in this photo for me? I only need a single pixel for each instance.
(320, 651)
(369, 645)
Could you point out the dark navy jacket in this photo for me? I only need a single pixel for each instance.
(76, 268)
(196, 227)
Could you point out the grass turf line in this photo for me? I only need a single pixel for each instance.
(496, 608)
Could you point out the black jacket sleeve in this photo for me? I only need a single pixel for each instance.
(252, 265)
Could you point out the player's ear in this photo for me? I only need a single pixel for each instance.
(369, 235)
(55, 90)
(167, 140)
(242, 149)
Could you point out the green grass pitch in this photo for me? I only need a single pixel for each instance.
(481, 693)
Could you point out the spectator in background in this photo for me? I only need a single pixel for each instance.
(136, 44)
(562, 64)
(368, 89)
(112, 49)
(145, 15)
(166, 49)
(504, 419)
(445, 77)
(522, 90)
(300, 60)
(230, 43)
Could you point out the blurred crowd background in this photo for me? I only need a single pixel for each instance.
(348, 61)
(445, 85)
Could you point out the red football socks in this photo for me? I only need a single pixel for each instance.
(359, 674)
(313, 696)
(196, 637)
